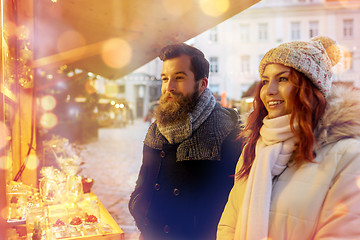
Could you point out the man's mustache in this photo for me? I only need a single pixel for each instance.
(175, 96)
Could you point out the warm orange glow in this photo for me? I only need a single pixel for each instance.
(358, 182)
(48, 120)
(4, 212)
(4, 164)
(48, 102)
(214, 8)
(70, 40)
(341, 209)
(116, 53)
(4, 139)
(10, 29)
(90, 86)
(33, 162)
(177, 8)
(23, 32)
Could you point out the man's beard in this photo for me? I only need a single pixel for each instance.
(169, 112)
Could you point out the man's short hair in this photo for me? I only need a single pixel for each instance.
(199, 65)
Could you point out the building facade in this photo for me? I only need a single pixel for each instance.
(235, 47)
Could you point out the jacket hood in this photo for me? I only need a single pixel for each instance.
(342, 116)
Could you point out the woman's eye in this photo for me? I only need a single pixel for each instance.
(265, 82)
(283, 79)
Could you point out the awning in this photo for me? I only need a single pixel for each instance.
(112, 38)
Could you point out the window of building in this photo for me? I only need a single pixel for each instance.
(214, 65)
(245, 63)
(121, 88)
(313, 28)
(348, 28)
(263, 31)
(295, 31)
(348, 60)
(213, 34)
(244, 33)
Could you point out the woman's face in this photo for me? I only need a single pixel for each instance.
(276, 90)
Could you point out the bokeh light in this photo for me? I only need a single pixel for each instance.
(90, 86)
(345, 62)
(358, 182)
(116, 53)
(177, 8)
(214, 8)
(23, 32)
(48, 120)
(70, 40)
(48, 103)
(32, 162)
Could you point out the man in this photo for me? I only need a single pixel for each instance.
(189, 154)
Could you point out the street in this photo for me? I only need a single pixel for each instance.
(113, 161)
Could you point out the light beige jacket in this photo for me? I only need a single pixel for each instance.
(316, 200)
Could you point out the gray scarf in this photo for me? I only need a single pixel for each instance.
(178, 132)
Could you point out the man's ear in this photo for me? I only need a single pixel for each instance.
(203, 84)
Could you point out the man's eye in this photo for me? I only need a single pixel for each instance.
(164, 79)
(179, 77)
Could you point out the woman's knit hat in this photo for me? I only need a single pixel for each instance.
(314, 58)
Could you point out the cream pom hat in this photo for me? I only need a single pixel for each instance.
(314, 58)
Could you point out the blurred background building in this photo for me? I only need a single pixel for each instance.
(235, 47)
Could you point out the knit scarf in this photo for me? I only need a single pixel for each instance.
(178, 132)
(272, 153)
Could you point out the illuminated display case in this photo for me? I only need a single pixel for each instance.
(18, 133)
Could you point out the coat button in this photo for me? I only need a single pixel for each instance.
(157, 187)
(176, 192)
(162, 154)
(166, 229)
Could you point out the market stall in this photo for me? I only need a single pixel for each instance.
(62, 206)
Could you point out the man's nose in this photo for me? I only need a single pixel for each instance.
(171, 85)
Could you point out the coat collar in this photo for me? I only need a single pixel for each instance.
(342, 116)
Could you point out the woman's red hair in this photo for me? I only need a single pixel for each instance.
(308, 107)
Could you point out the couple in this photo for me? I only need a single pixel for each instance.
(297, 156)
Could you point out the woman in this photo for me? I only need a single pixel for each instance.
(299, 174)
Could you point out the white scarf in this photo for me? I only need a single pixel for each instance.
(272, 153)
